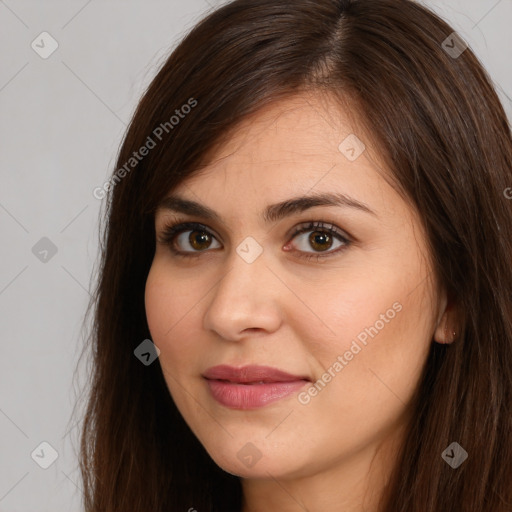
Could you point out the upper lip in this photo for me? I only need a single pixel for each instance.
(251, 373)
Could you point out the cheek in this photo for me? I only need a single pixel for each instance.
(347, 308)
(381, 363)
(168, 306)
(380, 325)
(157, 301)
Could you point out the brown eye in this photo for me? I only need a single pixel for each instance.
(199, 240)
(320, 239)
(192, 234)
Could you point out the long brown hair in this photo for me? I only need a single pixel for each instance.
(439, 124)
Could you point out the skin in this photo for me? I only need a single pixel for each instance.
(335, 452)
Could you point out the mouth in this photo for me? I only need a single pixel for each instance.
(250, 383)
(252, 374)
(251, 387)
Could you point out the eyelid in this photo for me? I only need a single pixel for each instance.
(175, 219)
(173, 229)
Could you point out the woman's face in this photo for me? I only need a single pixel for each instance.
(353, 324)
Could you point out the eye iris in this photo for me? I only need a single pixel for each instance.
(200, 240)
(196, 240)
(324, 238)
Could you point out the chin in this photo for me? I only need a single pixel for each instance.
(250, 462)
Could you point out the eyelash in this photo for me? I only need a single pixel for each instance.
(170, 231)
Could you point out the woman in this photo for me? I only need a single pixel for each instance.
(309, 226)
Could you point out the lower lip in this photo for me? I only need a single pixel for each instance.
(251, 396)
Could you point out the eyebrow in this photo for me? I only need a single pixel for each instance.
(272, 213)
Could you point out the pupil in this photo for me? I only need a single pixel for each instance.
(318, 239)
(319, 235)
(197, 240)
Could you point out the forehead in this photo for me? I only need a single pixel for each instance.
(305, 139)
(300, 146)
(304, 125)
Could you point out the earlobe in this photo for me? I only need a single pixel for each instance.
(446, 330)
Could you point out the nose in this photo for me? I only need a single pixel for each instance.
(244, 300)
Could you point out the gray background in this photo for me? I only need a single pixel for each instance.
(61, 122)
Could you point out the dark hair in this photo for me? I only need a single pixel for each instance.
(436, 119)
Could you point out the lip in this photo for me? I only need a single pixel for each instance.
(251, 387)
(250, 373)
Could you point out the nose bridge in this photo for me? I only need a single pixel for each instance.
(241, 299)
(245, 268)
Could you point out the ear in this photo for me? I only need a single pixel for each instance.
(448, 326)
